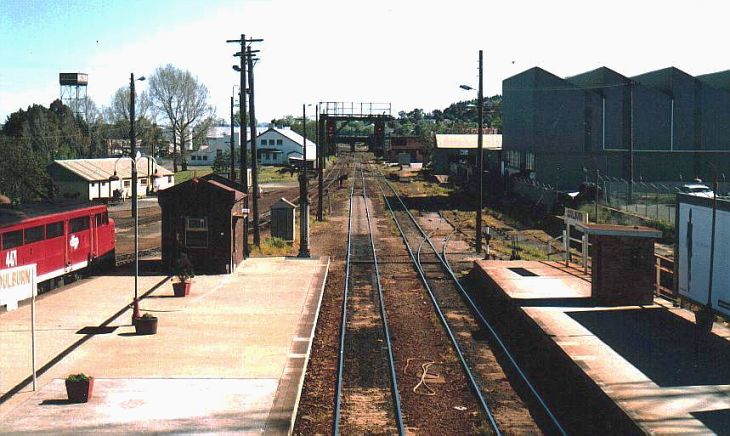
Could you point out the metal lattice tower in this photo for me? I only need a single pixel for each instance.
(73, 92)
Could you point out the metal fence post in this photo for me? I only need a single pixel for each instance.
(584, 247)
(566, 247)
(658, 267)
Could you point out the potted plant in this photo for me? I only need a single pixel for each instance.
(184, 272)
(704, 319)
(146, 325)
(79, 387)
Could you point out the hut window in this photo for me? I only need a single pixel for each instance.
(196, 232)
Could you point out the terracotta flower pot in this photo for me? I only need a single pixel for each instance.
(181, 289)
(79, 391)
(145, 326)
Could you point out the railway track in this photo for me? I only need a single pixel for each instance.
(367, 396)
(331, 177)
(125, 258)
(460, 316)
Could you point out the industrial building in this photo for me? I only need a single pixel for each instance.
(664, 125)
(93, 179)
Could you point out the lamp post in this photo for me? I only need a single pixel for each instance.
(113, 178)
(303, 197)
(480, 152)
(133, 140)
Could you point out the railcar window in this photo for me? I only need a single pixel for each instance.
(79, 224)
(102, 219)
(34, 234)
(12, 239)
(54, 230)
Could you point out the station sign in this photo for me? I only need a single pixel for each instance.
(17, 284)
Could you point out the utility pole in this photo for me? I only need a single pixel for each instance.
(480, 155)
(254, 157)
(303, 194)
(320, 167)
(241, 68)
(233, 146)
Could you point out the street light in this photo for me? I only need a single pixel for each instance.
(480, 152)
(303, 197)
(115, 177)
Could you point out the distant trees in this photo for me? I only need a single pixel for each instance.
(183, 100)
(30, 140)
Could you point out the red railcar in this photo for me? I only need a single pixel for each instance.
(58, 238)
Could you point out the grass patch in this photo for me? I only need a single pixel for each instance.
(184, 176)
(273, 247)
(272, 174)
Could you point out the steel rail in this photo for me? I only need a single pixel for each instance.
(343, 326)
(386, 331)
(472, 381)
(480, 316)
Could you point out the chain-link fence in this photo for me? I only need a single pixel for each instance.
(655, 201)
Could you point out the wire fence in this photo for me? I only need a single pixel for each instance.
(654, 201)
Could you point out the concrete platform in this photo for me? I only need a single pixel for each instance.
(228, 358)
(648, 360)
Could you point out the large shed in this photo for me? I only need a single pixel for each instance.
(91, 179)
(205, 219)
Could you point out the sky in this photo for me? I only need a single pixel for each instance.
(412, 54)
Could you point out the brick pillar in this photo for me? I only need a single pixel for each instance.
(623, 270)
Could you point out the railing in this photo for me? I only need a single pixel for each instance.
(664, 265)
(355, 109)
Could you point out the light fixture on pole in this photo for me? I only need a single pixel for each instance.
(480, 153)
(113, 178)
(135, 205)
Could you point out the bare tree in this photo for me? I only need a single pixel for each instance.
(118, 110)
(183, 100)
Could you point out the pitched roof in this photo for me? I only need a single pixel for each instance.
(720, 79)
(94, 170)
(289, 133)
(489, 141)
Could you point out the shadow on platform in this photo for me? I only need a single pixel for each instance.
(666, 348)
(716, 420)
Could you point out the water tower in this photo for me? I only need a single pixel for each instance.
(73, 92)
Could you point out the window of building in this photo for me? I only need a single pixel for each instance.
(127, 183)
(264, 142)
(35, 234)
(169, 179)
(54, 230)
(530, 161)
(12, 239)
(513, 159)
(78, 224)
(279, 142)
(219, 153)
(193, 157)
(143, 181)
(205, 157)
(93, 185)
(196, 232)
